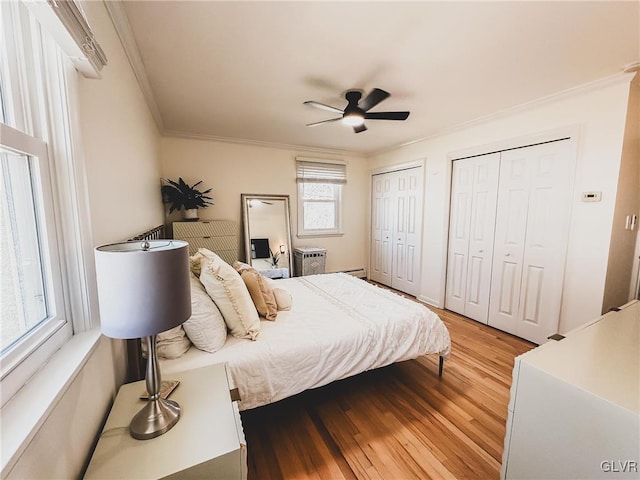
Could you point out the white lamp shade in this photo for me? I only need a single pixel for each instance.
(143, 292)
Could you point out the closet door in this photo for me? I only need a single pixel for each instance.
(396, 229)
(471, 235)
(459, 226)
(407, 219)
(381, 226)
(531, 238)
(481, 236)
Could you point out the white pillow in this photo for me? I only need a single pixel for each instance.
(170, 344)
(205, 328)
(195, 260)
(283, 297)
(230, 294)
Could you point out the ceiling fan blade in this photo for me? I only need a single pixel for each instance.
(359, 128)
(374, 98)
(386, 115)
(323, 121)
(322, 106)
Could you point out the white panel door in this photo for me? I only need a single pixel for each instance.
(459, 226)
(531, 240)
(481, 236)
(511, 229)
(471, 234)
(407, 230)
(550, 168)
(381, 229)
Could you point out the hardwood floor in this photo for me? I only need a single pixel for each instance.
(397, 422)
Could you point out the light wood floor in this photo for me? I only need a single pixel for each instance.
(397, 422)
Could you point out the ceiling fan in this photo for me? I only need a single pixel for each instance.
(356, 111)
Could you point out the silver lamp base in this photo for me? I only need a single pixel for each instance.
(156, 417)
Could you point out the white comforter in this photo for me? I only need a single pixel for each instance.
(338, 326)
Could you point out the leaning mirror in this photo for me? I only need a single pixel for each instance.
(267, 234)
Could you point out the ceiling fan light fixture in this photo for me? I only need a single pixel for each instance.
(353, 119)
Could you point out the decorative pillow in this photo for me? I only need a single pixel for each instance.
(170, 344)
(205, 328)
(230, 294)
(261, 293)
(241, 267)
(195, 261)
(283, 297)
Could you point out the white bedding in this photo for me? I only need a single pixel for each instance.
(339, 326)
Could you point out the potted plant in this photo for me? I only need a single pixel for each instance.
(181, 195)
(275, 257)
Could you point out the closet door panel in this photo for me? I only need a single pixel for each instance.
(408, 236)
(381, 230)
(481, 237)
(546, 240)
(459, 229)
(399, 190)
(510, 233)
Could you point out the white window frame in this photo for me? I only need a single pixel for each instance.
(22, 360)
(326, 172)
(41, 106)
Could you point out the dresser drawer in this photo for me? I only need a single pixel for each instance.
(210, 228)
(219, 236)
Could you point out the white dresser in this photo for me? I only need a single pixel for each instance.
(207, 442)
(575, 404)
(219, 236)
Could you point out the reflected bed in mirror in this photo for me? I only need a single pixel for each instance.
(267, 234)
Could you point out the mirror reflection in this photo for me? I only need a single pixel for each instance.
(267, 234)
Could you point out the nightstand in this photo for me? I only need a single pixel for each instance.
(207, 442)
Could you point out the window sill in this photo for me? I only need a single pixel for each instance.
(23, 415)
(318, 235)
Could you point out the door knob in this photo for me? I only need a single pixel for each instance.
(507, 254)
(480, 251)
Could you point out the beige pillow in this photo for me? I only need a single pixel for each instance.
(170, 344)
(241, 267)
(230, 294)
(205, 328)
(283, 297)
(261, 293)
(195, 261)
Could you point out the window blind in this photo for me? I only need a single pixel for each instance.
(320, 172)
(73, 19)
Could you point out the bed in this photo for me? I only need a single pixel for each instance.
(338, 326)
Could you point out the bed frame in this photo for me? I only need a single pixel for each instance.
(136, 363)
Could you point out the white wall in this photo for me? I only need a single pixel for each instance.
(232, 169)
(599, 115)
(120, 144)
(620, 281)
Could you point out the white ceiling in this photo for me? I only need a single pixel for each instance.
(242, 70)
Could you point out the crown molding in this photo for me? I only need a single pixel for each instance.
(127, 39)
(594, 85)
(258, 143)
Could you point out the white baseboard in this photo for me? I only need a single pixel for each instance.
(357, 272)
(429, 301)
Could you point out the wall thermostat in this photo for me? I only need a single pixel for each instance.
(591, 196)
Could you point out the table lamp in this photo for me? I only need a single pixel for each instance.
(144, 289)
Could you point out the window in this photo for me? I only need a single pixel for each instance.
(37, 183)
(320, 197)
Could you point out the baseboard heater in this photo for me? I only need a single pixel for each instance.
(358, 272)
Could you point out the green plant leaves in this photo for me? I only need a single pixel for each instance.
(181, 195)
